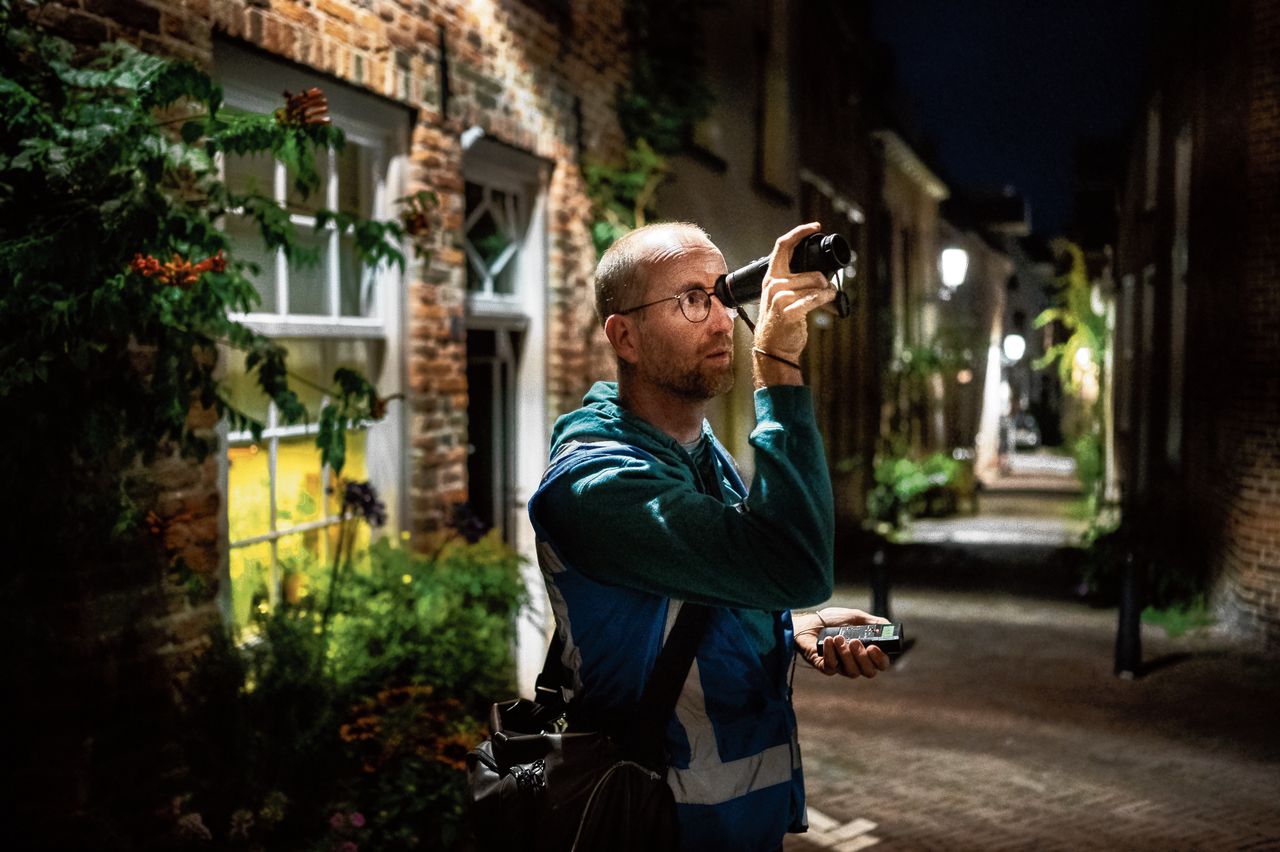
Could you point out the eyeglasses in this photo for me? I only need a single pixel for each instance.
(695, 304)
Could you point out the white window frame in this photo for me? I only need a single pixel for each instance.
(364, 124)
(493, 168)
(252, 82)
(526, 310)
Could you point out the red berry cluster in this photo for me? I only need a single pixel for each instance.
(178, 271)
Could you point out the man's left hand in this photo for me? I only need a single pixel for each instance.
(851, 659)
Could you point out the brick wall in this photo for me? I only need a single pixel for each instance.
(1217, 506)
(1250, 594)
(536, 76)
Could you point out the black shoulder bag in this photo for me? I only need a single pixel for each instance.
(537, 784)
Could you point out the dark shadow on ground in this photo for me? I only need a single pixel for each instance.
(1032, 570)
(1163, 662)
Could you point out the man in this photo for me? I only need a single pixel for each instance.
(642, 509)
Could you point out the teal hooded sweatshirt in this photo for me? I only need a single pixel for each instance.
(630, 525)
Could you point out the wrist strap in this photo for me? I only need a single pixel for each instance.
(759, 351)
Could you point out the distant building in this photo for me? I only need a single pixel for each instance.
(972, 322)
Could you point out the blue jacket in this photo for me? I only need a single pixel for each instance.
(629, 528)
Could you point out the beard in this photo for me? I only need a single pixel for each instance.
(699, 383)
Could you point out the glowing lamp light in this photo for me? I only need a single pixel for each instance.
(954, 265)
(1096, 301)
(1015, 346)
(964, 376)
(1084, 358)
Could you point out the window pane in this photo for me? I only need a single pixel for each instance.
(250, 573)
(354, 290)
(250, 174)
(355, 185)
(248, 492)
(247, 245)
(298, 492)
(302, 565)
(361, 538)
(308, 361)
(353, 471)
(309, 281)
(241, 389)
(491, 235)
(317, 198)
(488, 239)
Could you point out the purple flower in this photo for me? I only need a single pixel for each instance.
(467, 523)
(362, 499)
(357, 819)
(337, 822)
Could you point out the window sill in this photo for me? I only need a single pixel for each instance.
(490, 311)
(302, 326)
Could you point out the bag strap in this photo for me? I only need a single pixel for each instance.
(643, 740)
(672, 666)
(547, 688)
(665, 681)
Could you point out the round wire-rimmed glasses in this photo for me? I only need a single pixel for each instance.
(695, 304)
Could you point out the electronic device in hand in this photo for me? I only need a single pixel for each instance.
(887, 636)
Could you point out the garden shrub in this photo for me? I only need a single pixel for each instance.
(905, 487)
(369, 721)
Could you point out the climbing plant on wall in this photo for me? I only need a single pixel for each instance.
(119, 285)
(663, 98)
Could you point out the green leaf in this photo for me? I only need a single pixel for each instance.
(192, 131)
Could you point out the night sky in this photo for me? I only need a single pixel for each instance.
(1005, 87)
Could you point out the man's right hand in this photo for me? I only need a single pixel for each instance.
(786, 299)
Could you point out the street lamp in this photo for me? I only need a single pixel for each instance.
(1015, 346)
(953, 263)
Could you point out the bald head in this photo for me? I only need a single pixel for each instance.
(622, 276)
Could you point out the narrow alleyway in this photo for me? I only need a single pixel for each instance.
(1003, 726)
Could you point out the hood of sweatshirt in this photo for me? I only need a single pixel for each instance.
(603, 418)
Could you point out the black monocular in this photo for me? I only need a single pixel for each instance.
(825, 253)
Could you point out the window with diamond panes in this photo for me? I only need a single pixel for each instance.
(492, 239)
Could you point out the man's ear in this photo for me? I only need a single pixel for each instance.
(622, 333)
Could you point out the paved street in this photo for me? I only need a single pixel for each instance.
(1004, 728)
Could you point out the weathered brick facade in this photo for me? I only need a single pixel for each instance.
(538, 77)
(1199, 388)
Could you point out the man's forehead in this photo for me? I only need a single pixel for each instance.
(681, 251)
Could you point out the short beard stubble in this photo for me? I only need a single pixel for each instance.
(696, 384)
